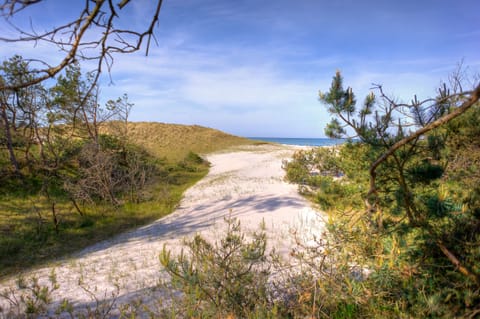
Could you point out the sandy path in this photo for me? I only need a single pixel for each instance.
(246, 183)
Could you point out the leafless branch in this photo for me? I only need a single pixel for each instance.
(11, 7)
(75, 37)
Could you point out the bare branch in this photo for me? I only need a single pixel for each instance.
(9, 7)
(74, 38)
(454, 260)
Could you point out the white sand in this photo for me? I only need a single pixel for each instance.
(246, 183)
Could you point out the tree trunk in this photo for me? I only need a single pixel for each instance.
(8, 136)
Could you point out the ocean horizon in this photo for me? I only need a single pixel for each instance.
(300, 141)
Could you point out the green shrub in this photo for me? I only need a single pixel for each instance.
(227, 277)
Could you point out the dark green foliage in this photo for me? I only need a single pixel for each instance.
(425, 172)
(334, 194)
(297, 170)
(194, 158)
(191, 162)
(334, 129)
(337, 98)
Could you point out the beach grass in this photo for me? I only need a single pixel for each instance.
(175, 141)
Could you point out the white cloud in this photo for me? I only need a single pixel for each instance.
(214, 79)
(251, 84)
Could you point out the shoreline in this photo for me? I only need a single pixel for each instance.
(304, 142)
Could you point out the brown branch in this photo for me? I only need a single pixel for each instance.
(454, 260)
(91, 17)
(474, 97)
(44, 36)
(51, 72)
(8, 8)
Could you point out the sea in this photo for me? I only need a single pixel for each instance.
(300, 141)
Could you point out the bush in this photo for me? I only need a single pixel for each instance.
(227, 277)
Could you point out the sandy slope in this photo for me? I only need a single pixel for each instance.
(246, 183)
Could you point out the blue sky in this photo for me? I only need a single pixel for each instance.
(254, 68)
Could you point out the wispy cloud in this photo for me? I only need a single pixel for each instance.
(212, 85)
(255, 67)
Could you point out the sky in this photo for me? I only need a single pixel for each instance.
(254, 67)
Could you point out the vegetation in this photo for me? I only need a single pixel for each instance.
(406, 249)
(419, 235)
(74, 173)
(412, 252)
(404, 203)
(403, 230)
(225, 278)
(50, 144)
(32, 233)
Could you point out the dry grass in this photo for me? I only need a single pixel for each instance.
(175, 141)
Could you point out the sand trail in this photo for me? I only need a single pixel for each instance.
(246, 183)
